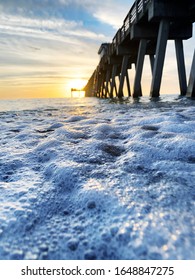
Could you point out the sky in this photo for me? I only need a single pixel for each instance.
(47, 46)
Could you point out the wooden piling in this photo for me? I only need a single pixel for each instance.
(122, 76)
(160, 56)
(128, 84)
(107, 83)
(139, 68)
(113, 81)
(191, 83)
(181, 66)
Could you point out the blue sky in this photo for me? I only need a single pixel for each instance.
(46, 44)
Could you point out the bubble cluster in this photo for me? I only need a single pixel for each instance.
(98, 180)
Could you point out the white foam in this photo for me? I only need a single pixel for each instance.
(97, 180)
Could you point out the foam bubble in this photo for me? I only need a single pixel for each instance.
(98, 180)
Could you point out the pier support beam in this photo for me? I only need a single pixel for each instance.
(123, 74)
(107, 83)
(98, 84)
(152, 62)
(139, 68)
(181, 66)
(128, 84)
(191, 84)
(163, 34)
(102, 84)
(113, 82)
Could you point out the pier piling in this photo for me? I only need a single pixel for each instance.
(191, 84)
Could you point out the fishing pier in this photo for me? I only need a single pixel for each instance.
(145, 31)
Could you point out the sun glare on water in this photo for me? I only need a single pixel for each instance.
(76, 87)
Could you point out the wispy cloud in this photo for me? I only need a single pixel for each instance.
(45, 28)
(112, 12)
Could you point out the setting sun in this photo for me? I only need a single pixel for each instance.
(77, 84)
(76, 87)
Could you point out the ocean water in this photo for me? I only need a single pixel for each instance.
(97, 179)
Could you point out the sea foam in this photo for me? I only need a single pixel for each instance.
(97, 179)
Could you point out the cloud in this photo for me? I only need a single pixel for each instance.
(45, 28)
(21, 6)
(48, 50)
(111, 12)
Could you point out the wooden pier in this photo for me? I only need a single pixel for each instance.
(145, 31)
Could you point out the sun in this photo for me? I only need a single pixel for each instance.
(77, 84)
(76, 87)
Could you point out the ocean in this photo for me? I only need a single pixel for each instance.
(96, 178)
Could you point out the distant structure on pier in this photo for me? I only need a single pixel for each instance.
(145, 31)
(77, 92)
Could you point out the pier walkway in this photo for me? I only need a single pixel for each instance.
(145, 31)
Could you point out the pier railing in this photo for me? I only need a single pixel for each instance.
(138, 8)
